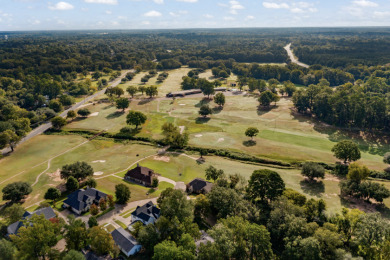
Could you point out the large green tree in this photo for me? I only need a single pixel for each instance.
(16, 191)
(265, 185)
(101, 241)
(75, 234)
(312, 170)
(347, 151)
(122, 103)
(135, 118)
(36, 238)
(78, 170)
(122, 193)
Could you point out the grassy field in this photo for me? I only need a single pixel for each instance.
(111, 159)
(284, 135)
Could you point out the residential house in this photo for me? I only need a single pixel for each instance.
(126, 242)
(48, 212)
(199, 186)
(141, 175)
(204, 239)
(147, 214)
(81, 200)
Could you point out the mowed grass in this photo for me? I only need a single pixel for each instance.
(183, 168)
(138, 192)
(106, 157)
(284, 135)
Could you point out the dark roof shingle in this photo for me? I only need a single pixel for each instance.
(146, 211)
(141, 173)
(123, 239)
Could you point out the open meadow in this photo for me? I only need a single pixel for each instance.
(284, 135)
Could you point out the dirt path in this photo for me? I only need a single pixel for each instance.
(293, 58)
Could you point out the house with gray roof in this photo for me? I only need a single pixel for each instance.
(47, 212)
(126, 242)
(199, 186)
(81, 200)
(147, 214)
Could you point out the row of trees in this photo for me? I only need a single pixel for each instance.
(363, 105)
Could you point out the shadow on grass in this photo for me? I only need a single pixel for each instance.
(373, 142)
(79, 118)
(313, 188)
(202, 120)
(114, 115)
(129, 131)
(145, 101)
(261, 110)
(249, 143)
(203, 101)
(216, 110)
(108, 107)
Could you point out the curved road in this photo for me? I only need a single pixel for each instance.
(293, 58)
(42, 128)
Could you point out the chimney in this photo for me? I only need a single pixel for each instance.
(150, 173)
(137, 164)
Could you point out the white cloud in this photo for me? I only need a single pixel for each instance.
(275, 5)
(177, 14)
(61, 6)
(36, 22)
(364, 3)
(294, 7)
(108, 12)
(188, 1)
(107, 2)
(145, 22)
(152, 14)
(250, 17)
(229, 18)
(379, 14)
(158, 1)
(208, 16)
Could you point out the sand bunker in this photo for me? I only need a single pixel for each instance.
(182, 104)
(162, 158)
(182, 127)
(94, 114)
(55, 176)
(198, 135)
(221, 140)
(98, 173)
(99, 161)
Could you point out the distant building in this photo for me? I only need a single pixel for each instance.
(199, 186)
(147, 214)
(81, 200)
(141, 175)
(204, 239)
(126, 242)
(48, 212)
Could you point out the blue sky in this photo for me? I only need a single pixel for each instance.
(152, 14)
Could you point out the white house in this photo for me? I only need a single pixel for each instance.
(147, 214)
(126, 242)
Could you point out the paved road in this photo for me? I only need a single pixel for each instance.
(42, 128)
(293, 58)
